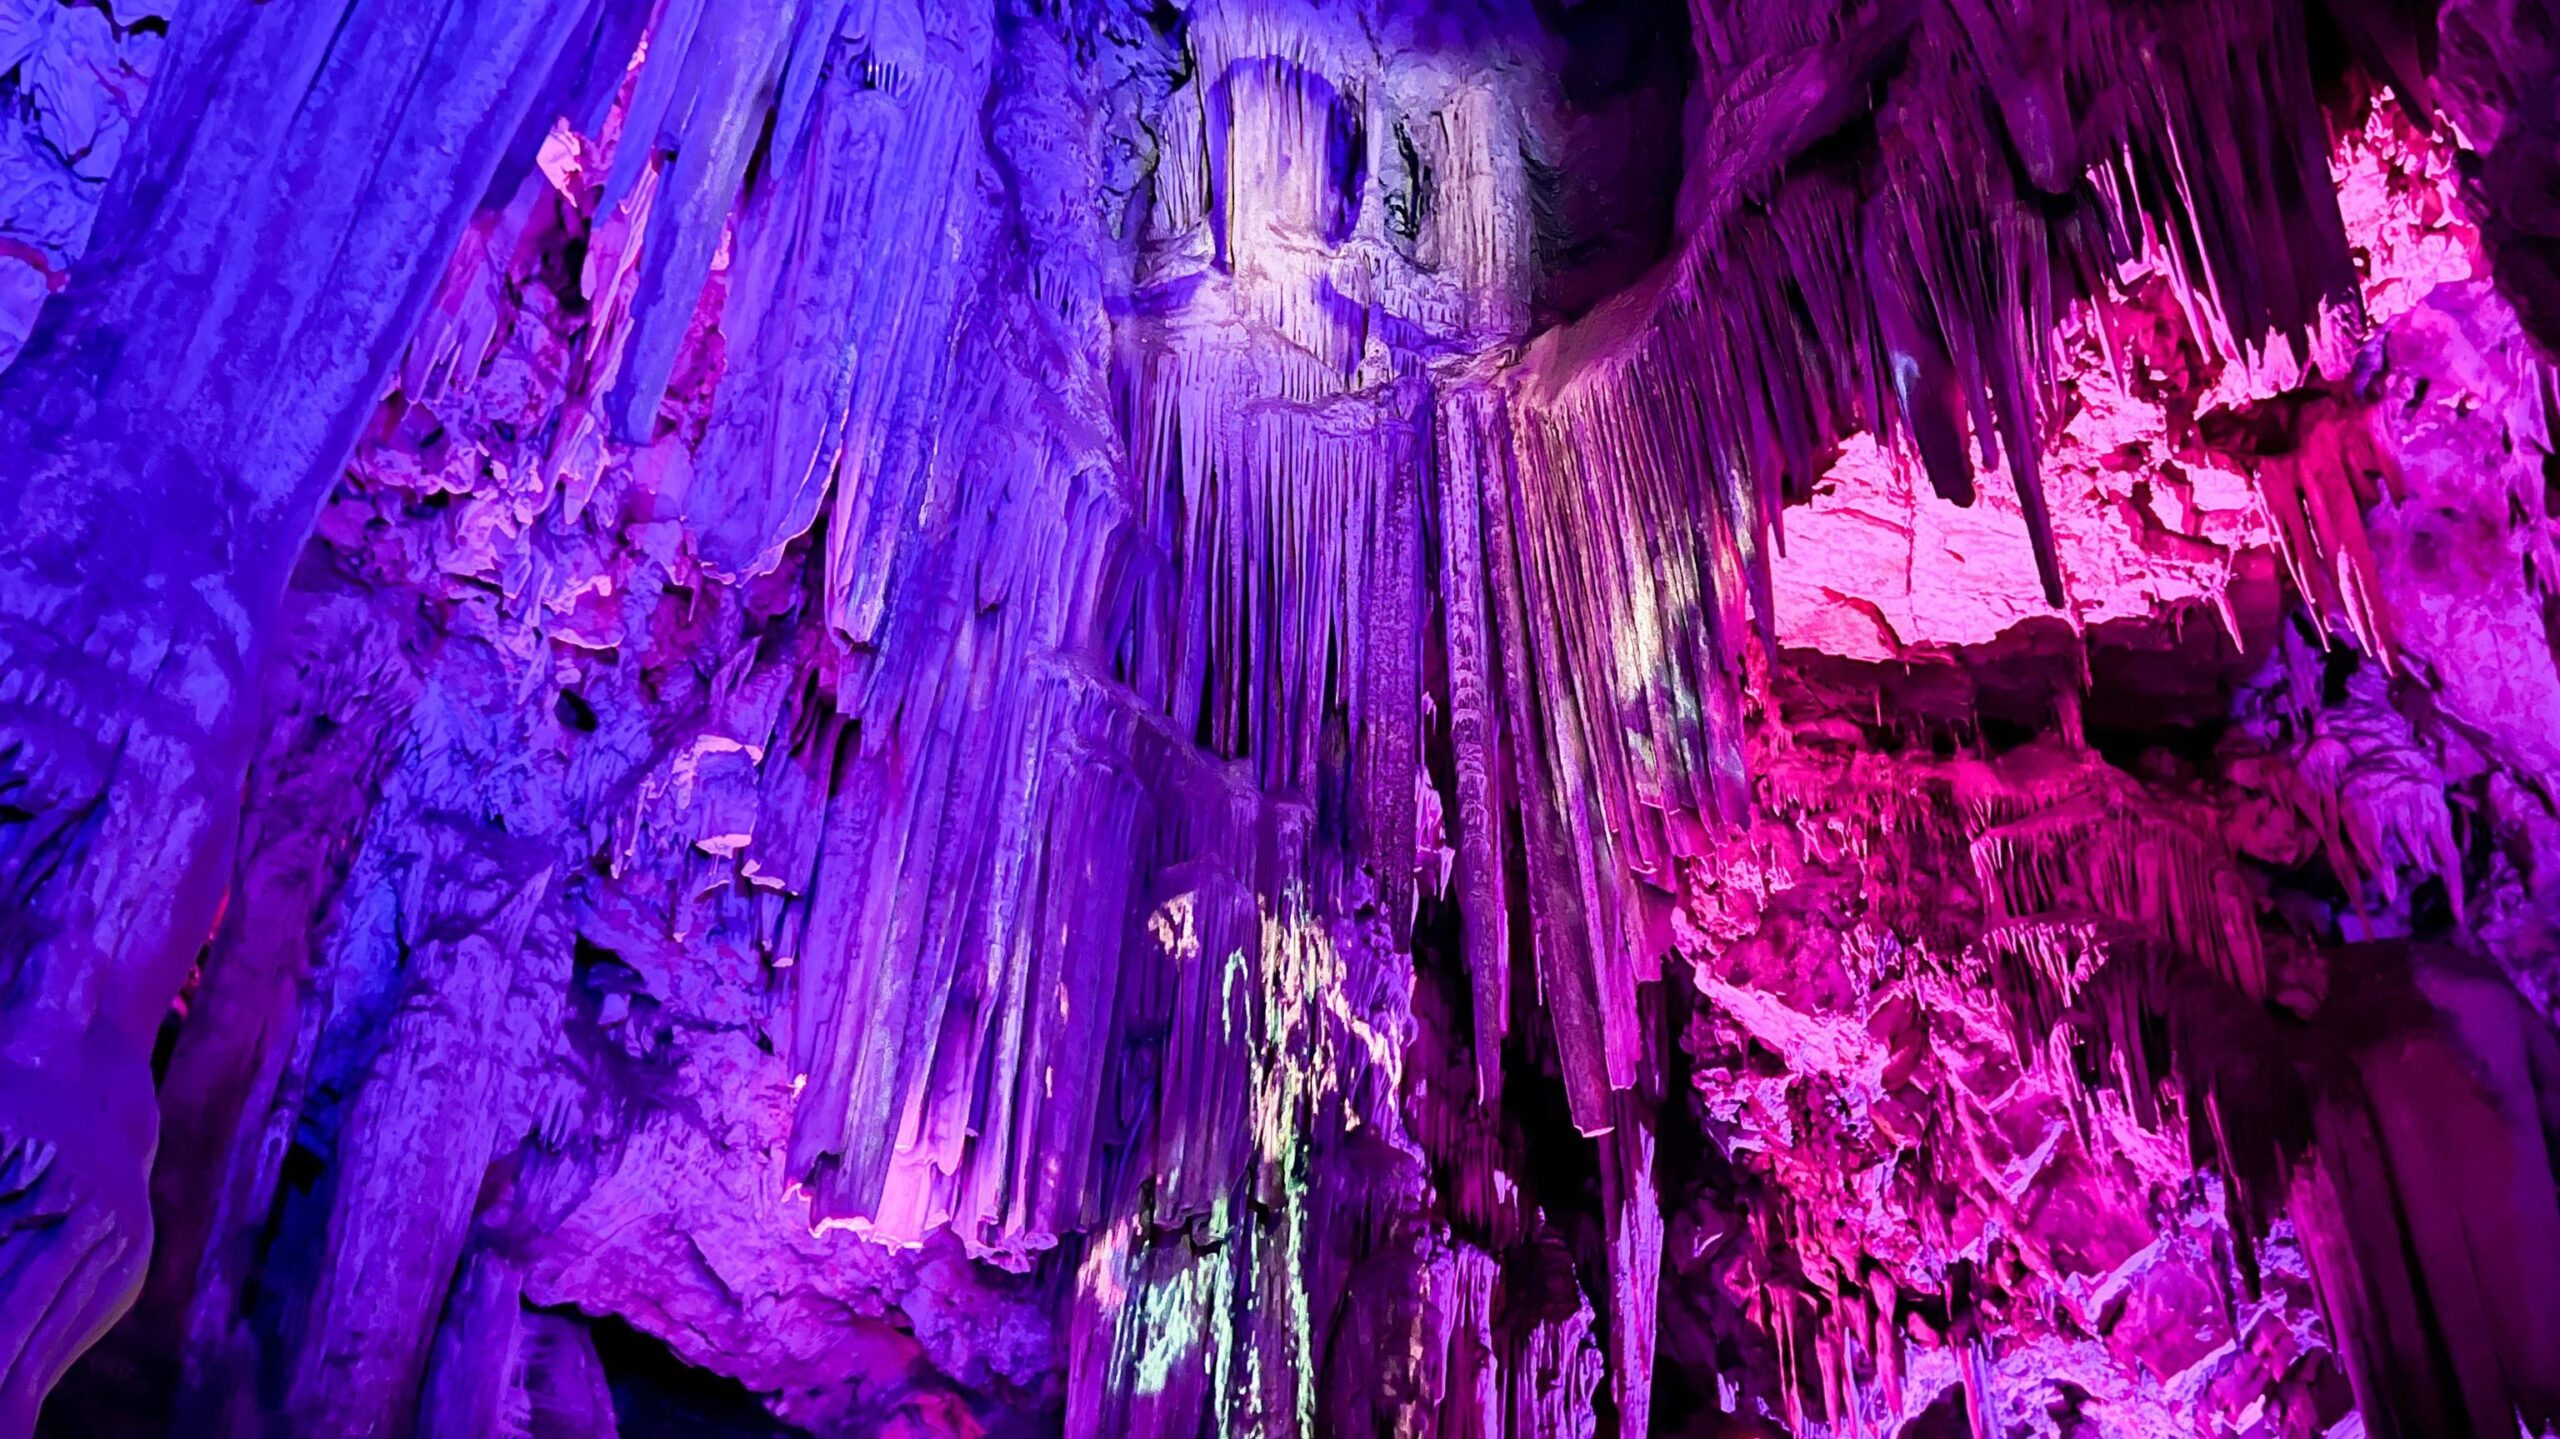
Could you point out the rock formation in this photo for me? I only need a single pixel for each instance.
(1459, 718)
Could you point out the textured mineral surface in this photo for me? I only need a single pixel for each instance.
(1465, 719)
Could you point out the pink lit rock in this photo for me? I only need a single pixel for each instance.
(1282, 719)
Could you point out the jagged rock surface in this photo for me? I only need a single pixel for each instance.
(974, 718)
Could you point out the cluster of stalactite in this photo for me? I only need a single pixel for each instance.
(2026, 156)
(2141, 1012)
(1028, 534)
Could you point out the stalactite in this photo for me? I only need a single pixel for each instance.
(2126, 867)
(695, 114)
(2317, 469)
(2289, 1127)
(128, 706)
(1475, 723)
(834, 300)
(1055, 707)
(1964, 275)
(1635, 1263)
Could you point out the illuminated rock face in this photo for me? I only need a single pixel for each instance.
(1500, 718)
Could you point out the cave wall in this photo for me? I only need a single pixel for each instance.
(1298, 719)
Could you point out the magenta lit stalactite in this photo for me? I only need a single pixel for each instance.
(842, 718)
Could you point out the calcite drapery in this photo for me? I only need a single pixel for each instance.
(989, 623)
(169, 432)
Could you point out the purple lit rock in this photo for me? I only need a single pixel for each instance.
(1276, 718)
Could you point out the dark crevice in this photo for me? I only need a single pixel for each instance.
(659, 1396)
